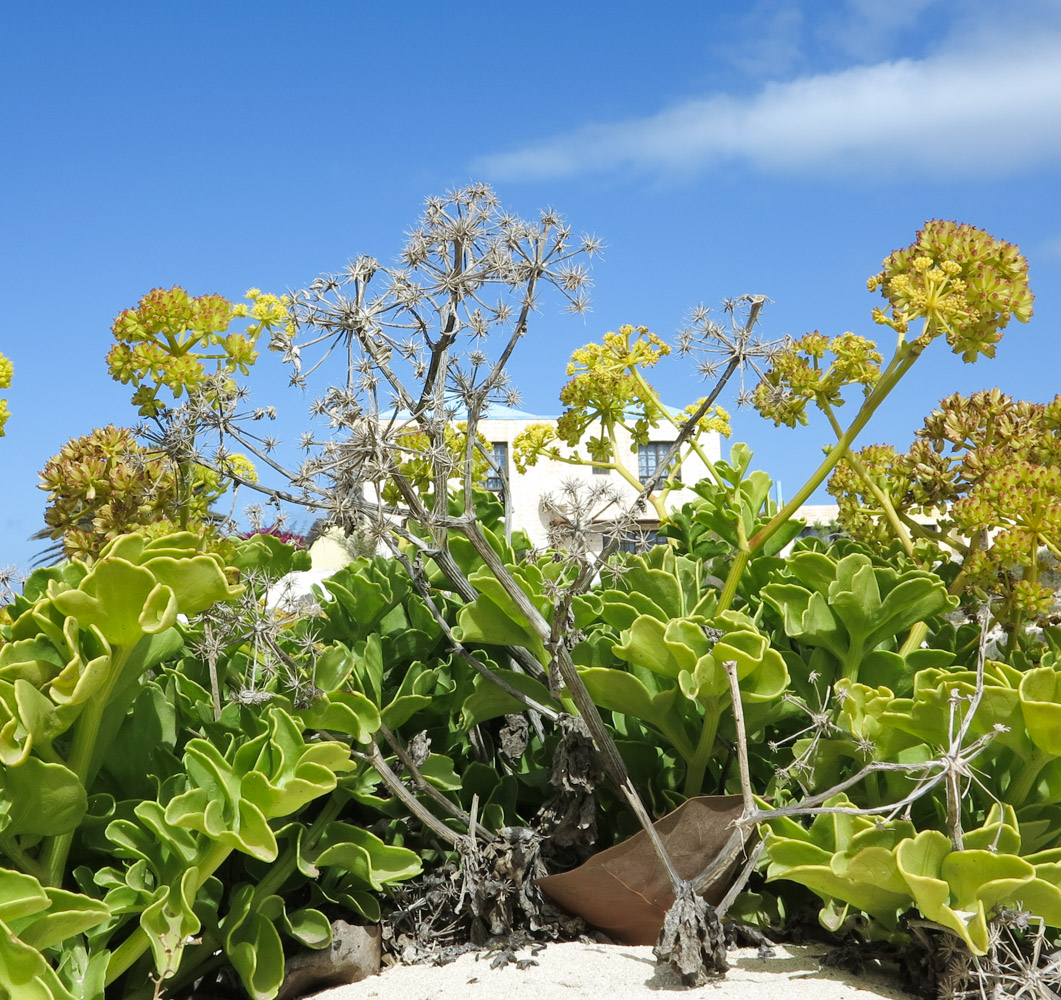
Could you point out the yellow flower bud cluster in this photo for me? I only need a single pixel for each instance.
(532, 443)
(607, 390)
(988, 468)
(798, 375)
(237, 464)
(268, 312)
(961, 281)
(169, 338)
(1021, 504)
(6, 371)
(715, 419)
(859, 513)
(104, 484)
(415, 461)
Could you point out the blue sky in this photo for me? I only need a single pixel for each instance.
(718, 148)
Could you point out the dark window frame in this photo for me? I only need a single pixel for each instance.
(650, 455)
(496, 479)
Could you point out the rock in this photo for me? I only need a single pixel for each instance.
(354, 955)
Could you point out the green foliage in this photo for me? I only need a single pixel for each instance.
(132, 814)
(886, 869)
(851, 607)
(185, 771)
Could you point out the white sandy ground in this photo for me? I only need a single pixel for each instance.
(620, 972)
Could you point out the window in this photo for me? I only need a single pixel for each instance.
(598, 471)
(638, 540)
(649, 457)
(495, 479)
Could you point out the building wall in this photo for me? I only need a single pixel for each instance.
(526, 490)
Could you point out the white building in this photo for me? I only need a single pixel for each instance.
(535, 501)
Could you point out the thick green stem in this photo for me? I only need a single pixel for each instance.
(729, 589)
(56, 850)
(900, 365)
(882, 498)
(705, 748)
(25, 864)
(130, 950)
(1018, 792)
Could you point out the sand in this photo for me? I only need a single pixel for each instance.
(619, 972)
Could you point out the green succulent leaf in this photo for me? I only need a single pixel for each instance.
(1040, 705)
(252, 942)
(24, 973)
(364, 856)
(489, 701)
(309, 927)
(343, 712)
(619, 691)
(122, 600)
(44, 799)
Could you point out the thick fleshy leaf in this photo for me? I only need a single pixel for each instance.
(309, 927)
(364, 856)
(170, 921)
(24, 973)
(195, 582)
(644, 644)
(122, 600)
(45, 799)
(489, 701)
(68, 913)
(497, 622)
(1041, 708)
(343, 712)
(252, 943)
(20, 896)
(619, 691)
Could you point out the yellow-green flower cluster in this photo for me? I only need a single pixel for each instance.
(104, 484)
(961, 281)
(6, 371)
(860, 514)
(604, 389)
(169, 338)
(238, 465)
(715, 419)
(1021, 504)
(267, 312)
(798, 375)
(991, 468)
(533, 442)
(415, 461)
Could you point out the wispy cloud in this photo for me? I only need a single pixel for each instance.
(989, 108)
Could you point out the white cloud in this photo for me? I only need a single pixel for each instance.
(990, 108)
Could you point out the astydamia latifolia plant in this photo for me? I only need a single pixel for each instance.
(960, 283)
(688, 651)
(181, 355)
(979, 486)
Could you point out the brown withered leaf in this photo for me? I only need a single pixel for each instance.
(625, 891)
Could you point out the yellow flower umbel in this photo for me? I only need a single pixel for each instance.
(6, 371)
(169, 338)
(799, 376)
(105, 484)
(961, 281)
